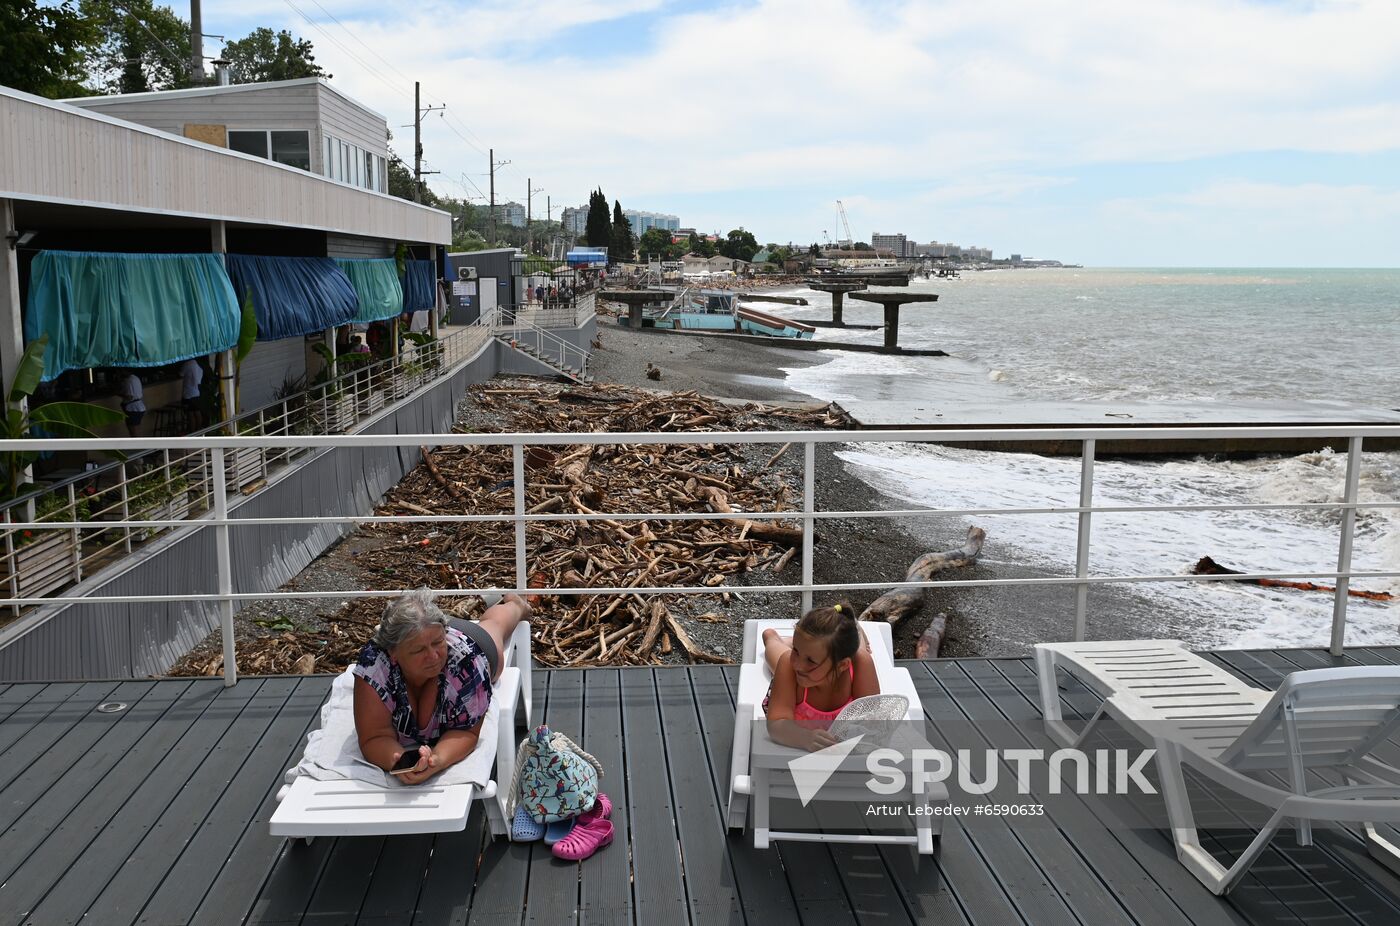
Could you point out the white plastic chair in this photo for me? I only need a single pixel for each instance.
(753, 786)
(351, 807)
(1196, 714)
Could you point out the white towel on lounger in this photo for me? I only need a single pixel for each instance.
(333, 750)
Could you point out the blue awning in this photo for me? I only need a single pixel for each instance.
(377, 283)
(128, 310)
(419, 285)
(293, 296)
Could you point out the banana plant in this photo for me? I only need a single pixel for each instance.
(54, 419)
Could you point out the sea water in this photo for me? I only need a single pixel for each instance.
(1208, 336)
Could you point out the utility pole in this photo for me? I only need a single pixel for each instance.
(418, 171)
(491, 156)
(529, 201)
(196, 44)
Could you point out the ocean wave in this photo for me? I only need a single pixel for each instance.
(1160, 543)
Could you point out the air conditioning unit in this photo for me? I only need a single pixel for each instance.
(466, 273)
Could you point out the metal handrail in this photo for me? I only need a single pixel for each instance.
(508, 324)
(220, 447)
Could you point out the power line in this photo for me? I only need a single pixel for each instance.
(178, 59)
(367, 47)
(353, 57)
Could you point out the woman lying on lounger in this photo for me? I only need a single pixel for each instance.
(423, 685)
(824, 666)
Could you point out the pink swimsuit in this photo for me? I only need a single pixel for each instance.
(805, 715)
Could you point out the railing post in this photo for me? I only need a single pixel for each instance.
(1081, 557)
(1339, 600)
(521, 567)
(223, 562)
(77, 534)
(126, 505)
(809, 503)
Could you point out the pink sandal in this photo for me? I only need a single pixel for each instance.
(601, 809)
(587, 837)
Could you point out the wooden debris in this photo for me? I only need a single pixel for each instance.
(634, 627)
(898, 603)
(1206, 566)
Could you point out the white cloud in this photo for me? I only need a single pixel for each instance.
(951, 99)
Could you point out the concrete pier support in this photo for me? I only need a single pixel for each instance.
(634, 299)
(893, 302)
(838, 293)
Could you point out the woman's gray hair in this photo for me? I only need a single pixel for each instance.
(407, 616)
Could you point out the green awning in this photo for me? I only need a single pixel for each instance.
(377, 284)
(128, 310)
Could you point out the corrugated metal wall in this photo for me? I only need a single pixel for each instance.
(268, 367)
(126, 641)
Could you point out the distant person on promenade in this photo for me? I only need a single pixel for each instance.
(423, 682)
(133, 397)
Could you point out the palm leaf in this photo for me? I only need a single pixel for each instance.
(247, 330)
(81, 415)
(30, 369)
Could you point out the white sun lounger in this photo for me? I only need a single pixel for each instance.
(758, 770)
(1196, 714)
(353, 807)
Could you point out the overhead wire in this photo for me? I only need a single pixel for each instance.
(461, 130)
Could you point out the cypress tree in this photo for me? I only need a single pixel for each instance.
(624, 244)
(598, 229)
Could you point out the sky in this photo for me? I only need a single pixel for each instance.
(1261, 133)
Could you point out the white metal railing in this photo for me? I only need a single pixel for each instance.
(222, 448)
(513, 327)
(118, 506)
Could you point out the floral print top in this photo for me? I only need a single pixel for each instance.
(463, 697)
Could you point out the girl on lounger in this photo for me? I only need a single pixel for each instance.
(423, 685)
(824, 666)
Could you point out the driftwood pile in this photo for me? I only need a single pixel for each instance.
(600, 629)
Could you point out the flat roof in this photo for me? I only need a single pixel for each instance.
(215, 90)
(53, 152)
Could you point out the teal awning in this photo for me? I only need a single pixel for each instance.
(293, 296)
(377, 283)
(128, 310)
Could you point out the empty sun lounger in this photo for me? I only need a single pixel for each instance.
(758, 770)
(320, 801)
(1196, 714)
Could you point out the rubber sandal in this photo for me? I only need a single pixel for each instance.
(588, 837)
(523, 827)
(553, 832)
(601, 809)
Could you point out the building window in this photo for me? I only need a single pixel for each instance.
(285, 147)
(328, 163)
(292, 149)
(254, 143)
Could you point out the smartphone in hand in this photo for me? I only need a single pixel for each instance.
(407, 762)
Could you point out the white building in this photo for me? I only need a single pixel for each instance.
(511, 213)
(643, 221)
(303, 123)
(897, 243)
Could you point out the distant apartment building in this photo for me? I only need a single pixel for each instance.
(642, 221)
(302, 123)
(898, 244)
(575, 221)
(511, 213)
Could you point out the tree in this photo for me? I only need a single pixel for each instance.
(265, 55)
(623, 243)
(137, 47)
(700, 247)
(42, 48)
(598, 228)
(655, 241)
(814, 250)
(739, 244)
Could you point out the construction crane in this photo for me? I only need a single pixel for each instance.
(850, 239)
(826, 237)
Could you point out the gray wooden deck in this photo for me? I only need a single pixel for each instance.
(159, 815)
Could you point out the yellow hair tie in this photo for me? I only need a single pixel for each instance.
(836, 608)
